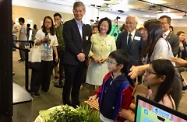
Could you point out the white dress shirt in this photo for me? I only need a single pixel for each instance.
(132, 33)
(165, 34)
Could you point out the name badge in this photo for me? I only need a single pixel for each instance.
(137, 38)
(86, 37)
(108, 42)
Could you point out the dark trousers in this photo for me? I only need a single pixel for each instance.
(74, 77)
(61, 56)
(41, 77)
(35, 80)
(21, 52)
(45, 75)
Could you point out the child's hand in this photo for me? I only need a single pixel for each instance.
(92, 98)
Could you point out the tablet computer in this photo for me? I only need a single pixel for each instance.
(150, 111)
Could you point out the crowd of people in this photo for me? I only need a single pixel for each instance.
(112, 66)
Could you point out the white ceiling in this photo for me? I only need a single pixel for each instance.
(144, 8)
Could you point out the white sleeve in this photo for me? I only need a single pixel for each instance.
(161, 50)
(38, 36)
(55, 41)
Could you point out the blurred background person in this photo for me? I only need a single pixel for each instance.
(182, 45)
(102, 45)
(58, 71)
(23, 38)
(14, 34)
(28, 31)
(34, 30)
(95, 29)
(141, 29)
(123, 28)
(171, 29)
(182, 54)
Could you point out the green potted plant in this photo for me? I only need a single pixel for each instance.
(67, 113)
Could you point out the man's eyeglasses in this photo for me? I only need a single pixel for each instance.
(110, 62)
(148, 72)
(78, 11)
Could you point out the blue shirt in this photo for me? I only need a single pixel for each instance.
(79, 25)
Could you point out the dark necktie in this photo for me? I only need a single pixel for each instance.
(129, 40)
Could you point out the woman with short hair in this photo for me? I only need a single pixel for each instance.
(102, 45)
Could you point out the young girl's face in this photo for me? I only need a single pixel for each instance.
(112, 65)
(150, 77)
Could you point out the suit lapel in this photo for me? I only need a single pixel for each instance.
(134, 36)
(84, 32)
(169, 36)
(133, 41)
(126, 40)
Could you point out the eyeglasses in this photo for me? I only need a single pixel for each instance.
(78, 11)
(110, 62)
(148, 72)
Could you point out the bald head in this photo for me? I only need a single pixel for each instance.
(131, 22)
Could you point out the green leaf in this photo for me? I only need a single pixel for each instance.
(67, 113)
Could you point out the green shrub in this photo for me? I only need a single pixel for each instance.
(67, 113)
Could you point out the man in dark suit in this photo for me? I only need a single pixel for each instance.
(169, 36)
(77, 46)
(131, 41)
(176, 87)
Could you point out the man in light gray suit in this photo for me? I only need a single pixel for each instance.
(131, 42)
(169, 36)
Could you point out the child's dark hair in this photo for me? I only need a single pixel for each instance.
(163, 67)
(121, 57)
